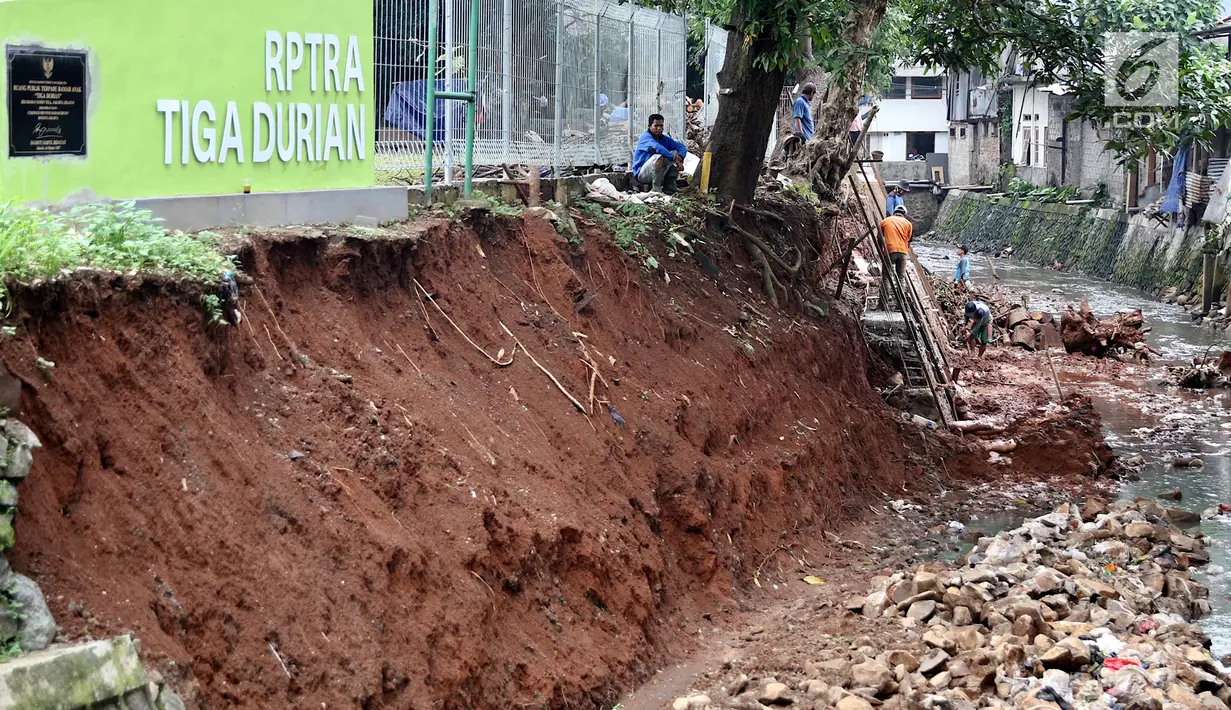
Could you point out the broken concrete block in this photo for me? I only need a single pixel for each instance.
(73, 677)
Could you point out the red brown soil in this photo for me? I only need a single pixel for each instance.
(443, 542)
(1055, 438)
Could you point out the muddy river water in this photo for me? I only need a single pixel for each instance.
(1142, 416)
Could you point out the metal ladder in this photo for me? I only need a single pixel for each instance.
(926, 362)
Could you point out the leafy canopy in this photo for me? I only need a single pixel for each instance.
(1062, 41)
(779, 27)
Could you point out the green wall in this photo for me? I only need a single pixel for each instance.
(1097, 242)
(143, 52)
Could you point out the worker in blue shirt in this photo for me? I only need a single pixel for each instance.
(961, 277)
(801, 113)
(894, 199)
(659, 157)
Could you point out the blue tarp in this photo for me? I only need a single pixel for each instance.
(407, 109)
(1175, 189)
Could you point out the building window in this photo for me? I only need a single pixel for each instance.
(1034, 137)
(920, 144)
(897, 90)
(963, 131)
(925, 87)
(1030, 137)
(952, 132)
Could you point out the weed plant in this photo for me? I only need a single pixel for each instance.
(36, 243)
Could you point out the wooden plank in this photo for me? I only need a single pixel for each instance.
(907, 307)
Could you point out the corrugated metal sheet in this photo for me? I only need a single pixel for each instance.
(1197, 189)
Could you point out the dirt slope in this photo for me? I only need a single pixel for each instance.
(455, 534)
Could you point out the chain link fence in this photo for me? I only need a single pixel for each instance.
(715, 57)
(561, 83)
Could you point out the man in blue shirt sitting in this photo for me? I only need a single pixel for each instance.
(659, 157)
(801, 112)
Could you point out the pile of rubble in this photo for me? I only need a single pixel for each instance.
(1204, 372)
(1089, 608)
(1217, 317)
(1076, 329)
(1121, 336)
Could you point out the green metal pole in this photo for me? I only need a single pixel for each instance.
(430, 123)
(472, 71)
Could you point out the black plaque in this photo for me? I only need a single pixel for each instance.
(46, 101)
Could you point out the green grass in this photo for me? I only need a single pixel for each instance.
(10, 649)
(36, 243)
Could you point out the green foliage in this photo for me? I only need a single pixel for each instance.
(629, 229)
(1024, 190)
(501, 208)
(1062, 41)
(213, 309)
(889, 46)
(36, 243)
(634, 223)
(12, 608)
(780, 26)
(10, 649)
(1006, 172)
(1101, 196)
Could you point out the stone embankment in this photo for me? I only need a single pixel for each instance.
(34, 672)
(1089, 608)
(1105, 243)
(25, 622)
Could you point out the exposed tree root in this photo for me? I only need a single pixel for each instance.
(757, 257)
(761, 213)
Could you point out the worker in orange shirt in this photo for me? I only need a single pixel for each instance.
(897, 231)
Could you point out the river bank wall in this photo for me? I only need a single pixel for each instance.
(1105, 243)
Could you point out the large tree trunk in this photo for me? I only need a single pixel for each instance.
(828, 156)
(745, 118)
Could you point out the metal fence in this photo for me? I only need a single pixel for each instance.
(562, 83)
(715, 57)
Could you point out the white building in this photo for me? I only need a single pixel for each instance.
(1031, 116)
(913, 116)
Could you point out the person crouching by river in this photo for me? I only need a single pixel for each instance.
(979, 320)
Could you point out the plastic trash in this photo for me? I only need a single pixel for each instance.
(1057, 684)
(691, 163)
(605, 188)
(921, 421)
(1115, 664)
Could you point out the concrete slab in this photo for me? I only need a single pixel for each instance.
(197, 212)
(71, 677)
(562, 190)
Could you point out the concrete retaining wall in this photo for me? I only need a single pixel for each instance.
(895, 170)
(1097, 242)
(921, 208)
(272, 209)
